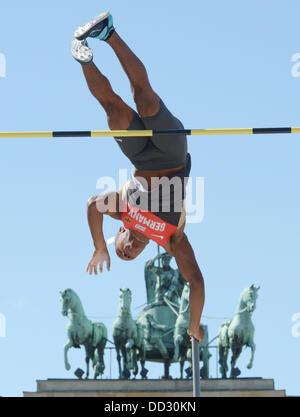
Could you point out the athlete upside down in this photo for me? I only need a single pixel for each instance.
(155, 159)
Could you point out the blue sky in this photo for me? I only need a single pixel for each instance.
(215, 64)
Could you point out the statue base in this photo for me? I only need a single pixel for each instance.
(240, 387)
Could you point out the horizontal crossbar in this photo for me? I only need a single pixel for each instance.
(143, 133)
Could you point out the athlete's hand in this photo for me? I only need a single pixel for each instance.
(98, 259)
(198, 334)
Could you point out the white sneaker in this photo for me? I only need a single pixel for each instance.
(81, 51)
(101, 27)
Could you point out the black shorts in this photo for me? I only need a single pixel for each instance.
(157, 152)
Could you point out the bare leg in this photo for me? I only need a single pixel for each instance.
(119, 114)
(147, 101)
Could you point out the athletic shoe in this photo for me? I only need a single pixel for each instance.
(81, 51)
(100, 28)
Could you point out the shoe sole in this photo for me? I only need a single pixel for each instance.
(80, 35)
(83, 58)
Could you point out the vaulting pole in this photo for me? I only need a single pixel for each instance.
(143, 133)
(196, 368)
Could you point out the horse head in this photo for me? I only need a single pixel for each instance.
(67, 298)
(125, 299)
(248, 298)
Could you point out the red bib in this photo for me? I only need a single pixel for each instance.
(147, 223)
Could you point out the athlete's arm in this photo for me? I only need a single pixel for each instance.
(180, 247)
(107, 203)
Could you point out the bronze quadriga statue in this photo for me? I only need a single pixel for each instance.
(129, 339)
(182, 343)
(165, 319)
(238, 332)
(164, 287)
(159, 334)
(81, 331)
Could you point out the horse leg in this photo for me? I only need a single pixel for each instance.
(181, 357)
(126, 372)
(236, 351)
(119, 360)
(223, 355)
(142, 359)
(87, 361)
(100, 366)
(143, 372)
(176, 349)
(204, 357)
(226, 351)
(178, 340)
(89, 354)
(129, 354)
(252, 345)
(66, 348)
(181, 367)
(167, 369)
(135, 364)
